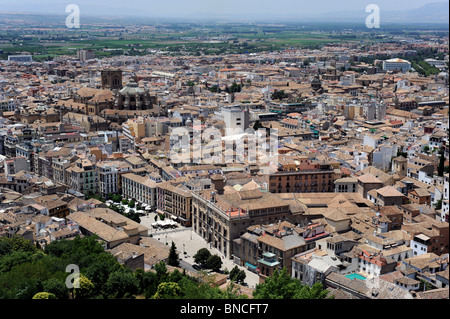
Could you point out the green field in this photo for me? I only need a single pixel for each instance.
(176, 38)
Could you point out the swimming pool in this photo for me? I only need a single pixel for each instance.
(353, 276)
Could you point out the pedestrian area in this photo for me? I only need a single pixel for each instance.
(188, 243)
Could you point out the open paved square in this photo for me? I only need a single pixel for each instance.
(188, 241)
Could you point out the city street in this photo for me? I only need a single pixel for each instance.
(188, 241)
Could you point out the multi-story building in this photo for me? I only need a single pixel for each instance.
(44, 164)
(84, 55)
(445, 199)
(396, 65)
(220, 219)
(175, 202)
(375, 264)
(112, 228)
(8, 105)
(305, 179)
(10, 145)
(56, 207)
(16, 164)
(134, 129)
(82, 176)
(345, 185)
(235, 118)
(25, 58)
(109, 173)
(293, 107)
(386, 196)
(366, 183)
(282, 239)
(140, 188)
(59, 165)
(429, 235)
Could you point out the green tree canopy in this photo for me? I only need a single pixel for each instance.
(122, 284)
(83, 287)
(56, 287)
(237, 275)
(173, 259)
(441, 166)
(168, 290)
(214, 262)
(282, 286)
(201, 257)
(44, 295)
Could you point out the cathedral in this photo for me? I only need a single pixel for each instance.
(113, 101)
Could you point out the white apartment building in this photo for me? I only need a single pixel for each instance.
(396, 65)
(109, 176)
(420, 244)
(440, 64)
(8, 105)
(140, 188)
(445, 200)
(235, 118)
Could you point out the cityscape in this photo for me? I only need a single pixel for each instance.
(203, 153)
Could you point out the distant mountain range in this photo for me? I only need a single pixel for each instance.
(435, 13)
(430, 13)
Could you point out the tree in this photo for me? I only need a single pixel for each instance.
(117, 198)
(441, 166)
(214, 262)
(282, 286)
(56, 287)
(161, 271)
(237, 275)
(15, 243)
(279, 94)
(44, 295)
(173, 259)
(314, 292)
(83, 287)
(278, 286)
(168, 290)
(99, 271)
(425, 285)
(131, 203)
(122, 284)
(201, 257)
(257, 125)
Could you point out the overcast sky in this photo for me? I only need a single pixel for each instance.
(187, 8)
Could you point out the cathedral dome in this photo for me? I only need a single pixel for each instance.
(132, 88)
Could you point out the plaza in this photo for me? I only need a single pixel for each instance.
(188, 243)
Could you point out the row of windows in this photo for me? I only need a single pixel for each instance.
(300, 177)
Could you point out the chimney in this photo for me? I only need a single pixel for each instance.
(218, 182)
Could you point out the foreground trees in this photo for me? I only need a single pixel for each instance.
(27, 272)
(282, 286)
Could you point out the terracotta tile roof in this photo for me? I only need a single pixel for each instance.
(369, 179)
(389, 191)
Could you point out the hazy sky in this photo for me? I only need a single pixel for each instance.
(187, 8)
